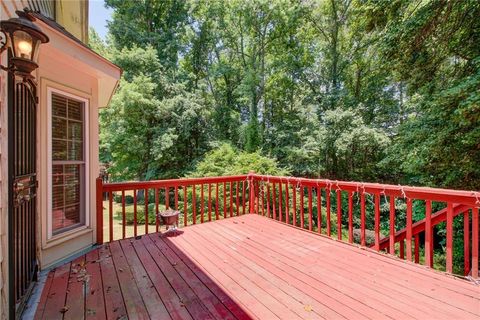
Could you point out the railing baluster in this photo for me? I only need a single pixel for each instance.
(466, 242)
(319, 210)
(392, 226)
(134, 212)
(231, 203)
(417, 248)
(274, 201)
(224, 200)
(428, 234)
(302, 208)
(176, 198)
(243, 197)
(280, 202)
(310, 209)
(216, 202)
(287, 203)
(209, 202)
(268, 200)
(146, 211)
(263, 198)
(408, 238)
(350, 216)
(124, 222)
(294, 205)
(475, 242)
(157, 201)
(202, 203)
(194, 204)
(167, 198)
(377, 221)
(339, 214)
(237, 200)
(329, 227)
(402, 249)
(363, 241)
(231, 199)
(185, 212)
(110, 214)
(449, 263)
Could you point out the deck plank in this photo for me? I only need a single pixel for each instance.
(239, 311)
(181, 286)
(75, 291)
(43, 297)
(55, 304)
(114, 304)
(133, 301)
(149, 294)
(248, 298)
(278, 292)
(370, 275)
(249, 267)
(387, 305)
(378, 266)
(176, 309)
(94, 299)
(214, 305)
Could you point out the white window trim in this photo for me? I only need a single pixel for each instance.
(86, 146)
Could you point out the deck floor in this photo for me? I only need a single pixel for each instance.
(249, 267)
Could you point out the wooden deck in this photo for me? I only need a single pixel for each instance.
(249, 267)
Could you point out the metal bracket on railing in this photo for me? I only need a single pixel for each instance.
(477, 198)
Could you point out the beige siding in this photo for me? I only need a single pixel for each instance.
(7, 8)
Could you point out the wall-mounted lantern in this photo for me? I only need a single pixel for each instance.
(23, 37)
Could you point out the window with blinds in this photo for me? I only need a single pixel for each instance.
(68, 163)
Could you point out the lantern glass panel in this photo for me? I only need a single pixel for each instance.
(22, 45)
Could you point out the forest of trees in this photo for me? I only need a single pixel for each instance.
(366, 90)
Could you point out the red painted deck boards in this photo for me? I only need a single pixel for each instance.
(249, 267)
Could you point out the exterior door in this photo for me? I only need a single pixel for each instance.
(22, 209)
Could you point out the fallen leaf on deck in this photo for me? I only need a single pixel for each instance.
(308, 308)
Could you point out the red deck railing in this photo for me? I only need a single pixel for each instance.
(327, 207)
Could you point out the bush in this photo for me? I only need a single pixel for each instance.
(129, 216)
(226, 160)
(117, 198)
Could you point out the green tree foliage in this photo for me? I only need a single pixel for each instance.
(160, 24)
(153, 128)
(226, 160)
(434, 49)
(366, 90)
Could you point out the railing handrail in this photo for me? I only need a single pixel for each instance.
(129, 185)
(470, 198)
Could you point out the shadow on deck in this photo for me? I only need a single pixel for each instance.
(249, 267)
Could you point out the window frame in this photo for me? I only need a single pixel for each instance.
(85, 197)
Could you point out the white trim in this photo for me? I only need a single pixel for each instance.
(86, 147)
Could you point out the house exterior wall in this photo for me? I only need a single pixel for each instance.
(83, 74)
(73, 16)
(58, 74)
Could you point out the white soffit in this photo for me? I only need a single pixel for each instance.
(82, 59)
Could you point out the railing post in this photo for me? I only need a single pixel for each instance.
(251, 192)
(475, 241)
(99, 210)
